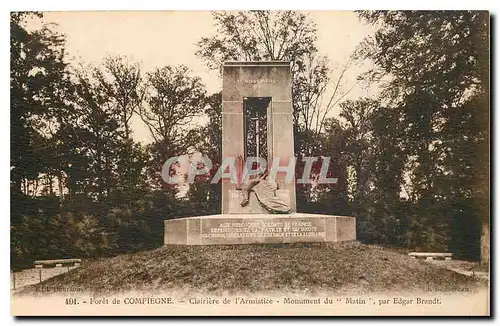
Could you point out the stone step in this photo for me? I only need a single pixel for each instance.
(431, 255)
(57, 262)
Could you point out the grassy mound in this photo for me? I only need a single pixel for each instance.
(298, 268)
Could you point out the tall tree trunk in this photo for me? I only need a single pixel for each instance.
(51, 185)
(485, 243)
(60, 184)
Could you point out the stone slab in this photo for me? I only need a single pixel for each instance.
(345, 228)
(431, 254)
(259, 228)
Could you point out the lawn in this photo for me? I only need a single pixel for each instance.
(294, 268)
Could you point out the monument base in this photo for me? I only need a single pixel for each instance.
(259, 228)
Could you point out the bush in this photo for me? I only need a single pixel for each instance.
(59, 236)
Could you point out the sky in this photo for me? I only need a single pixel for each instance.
(159, 38)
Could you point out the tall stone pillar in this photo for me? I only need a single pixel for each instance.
(244, 81)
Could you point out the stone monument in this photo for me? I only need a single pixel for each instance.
(257, 123)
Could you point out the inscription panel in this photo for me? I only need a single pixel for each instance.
(257, 81)
(252, 230)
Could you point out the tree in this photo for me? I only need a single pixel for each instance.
(38, 82)
(125, 87)
(96, 134)
(333, 198)
(277, 36)
(95, 125)
(206, 197)
(76, 171)
(126, 90)
(318, 89)
(358, 140)
(41, 103)
(438, 68)
(258, 35)
(174, 100)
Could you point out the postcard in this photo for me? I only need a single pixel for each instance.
(250, 163)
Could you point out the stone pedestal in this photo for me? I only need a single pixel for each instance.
(259, 228)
